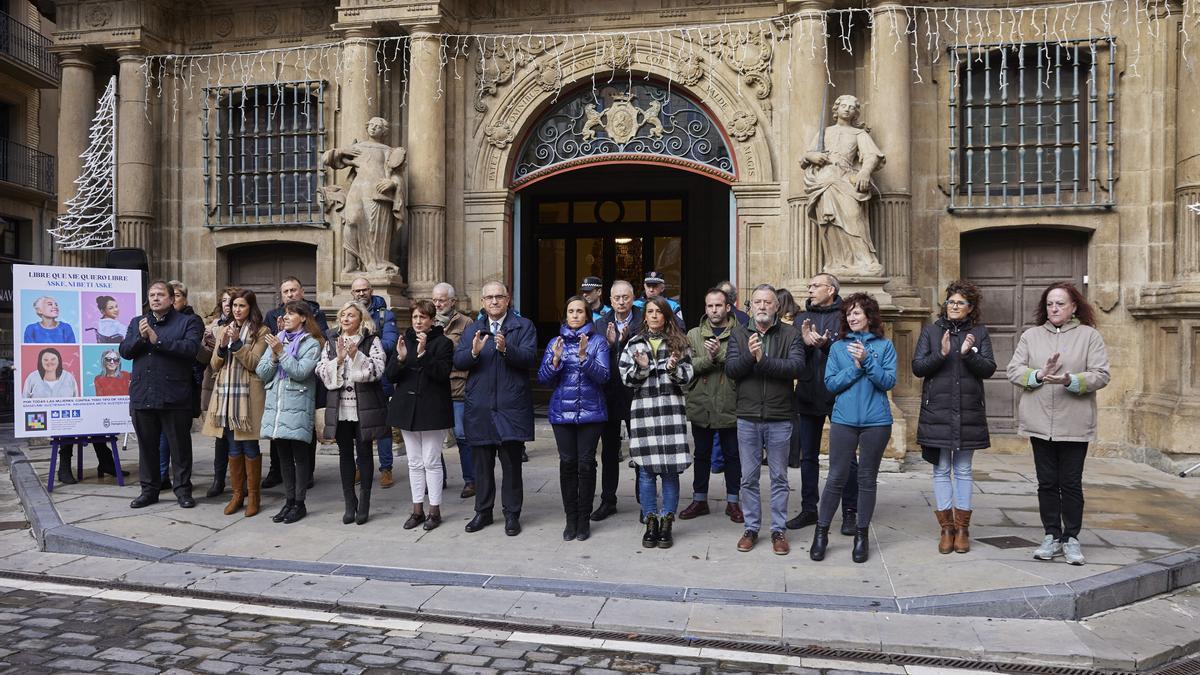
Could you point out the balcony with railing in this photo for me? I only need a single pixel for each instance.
(25, 53)
(27, 167)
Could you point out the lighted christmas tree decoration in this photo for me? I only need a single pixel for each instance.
(90, 220)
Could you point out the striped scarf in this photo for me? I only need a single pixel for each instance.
(232, 390)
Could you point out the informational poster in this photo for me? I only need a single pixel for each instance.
(68, 323)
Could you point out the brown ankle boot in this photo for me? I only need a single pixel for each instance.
(253, 485)
(237, 480)
(962, 525)
(946, 520)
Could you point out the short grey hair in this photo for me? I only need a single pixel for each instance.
(729, 289)
(177, 285)
(447, 289)
(495, 282)
(620, 282)
(833, 281)
(764, 287)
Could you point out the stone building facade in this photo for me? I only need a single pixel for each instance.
(1065, 147)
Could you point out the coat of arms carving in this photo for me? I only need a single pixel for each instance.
(622, 120)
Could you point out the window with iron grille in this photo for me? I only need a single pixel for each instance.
(262, 152)
(1033, 125)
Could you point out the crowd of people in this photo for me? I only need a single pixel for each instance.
(745, 389)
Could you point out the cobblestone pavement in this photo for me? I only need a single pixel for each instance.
(43, 633)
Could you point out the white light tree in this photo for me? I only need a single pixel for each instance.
(90, 220)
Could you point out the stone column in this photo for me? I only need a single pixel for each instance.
(1187, 168)
(426, 164)
(889, 106)
(136, 156)
(76, 106)
(808, 52)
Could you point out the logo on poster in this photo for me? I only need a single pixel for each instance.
(35, 421)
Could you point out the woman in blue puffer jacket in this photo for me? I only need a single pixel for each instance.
(577, 365)
(287, 369)
(860, 372)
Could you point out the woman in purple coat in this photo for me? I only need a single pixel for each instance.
(577, 365)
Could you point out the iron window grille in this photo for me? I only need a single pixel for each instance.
(262, 153)
(1033, 125)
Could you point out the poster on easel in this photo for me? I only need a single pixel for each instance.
(68, 323)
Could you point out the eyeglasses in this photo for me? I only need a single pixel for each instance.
(819, 285)
(957, 303)
(494, 298)
(111, 359)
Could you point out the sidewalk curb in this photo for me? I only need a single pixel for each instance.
(1065, 601)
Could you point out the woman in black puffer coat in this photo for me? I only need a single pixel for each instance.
(954, 356)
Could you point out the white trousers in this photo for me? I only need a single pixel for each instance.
(424, 449)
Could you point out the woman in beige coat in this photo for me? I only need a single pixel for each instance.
(1060, 364)
(236, 408)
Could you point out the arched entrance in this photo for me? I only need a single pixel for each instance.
(618, 222)
(615, 182)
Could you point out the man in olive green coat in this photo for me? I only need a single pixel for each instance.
(711, 407)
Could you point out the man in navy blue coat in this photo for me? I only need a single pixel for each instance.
(162, 345)
(498, 352)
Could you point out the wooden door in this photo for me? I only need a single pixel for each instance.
(1012, 268)
(261, 268)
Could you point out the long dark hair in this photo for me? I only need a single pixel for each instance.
(970, 293)
(255, 319)
(302, 308)
(676, 340)
(57, 354)
(217, 313)
(869, 307)
(1083, 311)
(787, 304)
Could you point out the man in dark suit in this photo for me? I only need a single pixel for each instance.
(162, 345)
(617, 326)
(498, 351)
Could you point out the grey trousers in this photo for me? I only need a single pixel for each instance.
(776, 437)
(844, 441)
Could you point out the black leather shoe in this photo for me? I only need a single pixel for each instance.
(603, 511)
(849, 522)
(862, 548)
(512, 524)
(569, 531)
(65, 477)
(805, 519)
(820, 543)
(295, 513)
(583, 527)
(143, 500)
(480, 521)
(282, 515)
(271, 480)
(186, 502)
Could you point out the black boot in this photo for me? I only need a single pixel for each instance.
(351, 506)
(849, 521)
(273, 476)
(587, 494)
(568, 487)
(279, 517)
(820, 543)
(583, 525)
(862, 549)
(104, 462)
(650, 538)
(65, 477)
(665, 540)
(364, 503)
(220, 467)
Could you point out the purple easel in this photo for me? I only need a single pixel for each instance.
(108, 440)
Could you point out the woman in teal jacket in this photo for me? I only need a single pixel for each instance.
(287, 370)
(860, 372)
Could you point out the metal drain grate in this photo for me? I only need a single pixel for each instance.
(1189, 667)
(1007, 542)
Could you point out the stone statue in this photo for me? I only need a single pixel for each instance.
(373, 208)
(837, 182)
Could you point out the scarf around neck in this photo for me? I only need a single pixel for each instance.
(291, 343)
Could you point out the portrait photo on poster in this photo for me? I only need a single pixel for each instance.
(49, 371)
(106, 316)
(49, 317)
(105, 373)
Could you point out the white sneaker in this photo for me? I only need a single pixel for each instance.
(1072, 553)
(1050, 549)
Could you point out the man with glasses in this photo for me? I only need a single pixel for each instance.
(617, 326)
(820, 325)
(454, 323)
(290, 289)
(498, 351)
(389, 334)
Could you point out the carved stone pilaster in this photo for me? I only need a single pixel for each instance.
(134, 231)
(1187, 233)
(891, 226)
(804, 243)
(427, 247)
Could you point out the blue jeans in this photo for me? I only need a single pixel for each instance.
(776, 437)
(465, 456)
(384, 447)
(164, 456)
(958, 494)
(717, 456)
(648, 492)
(239, 448)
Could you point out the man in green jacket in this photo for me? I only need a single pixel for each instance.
(711, 406)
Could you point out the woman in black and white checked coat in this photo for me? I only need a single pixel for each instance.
(656, 365)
